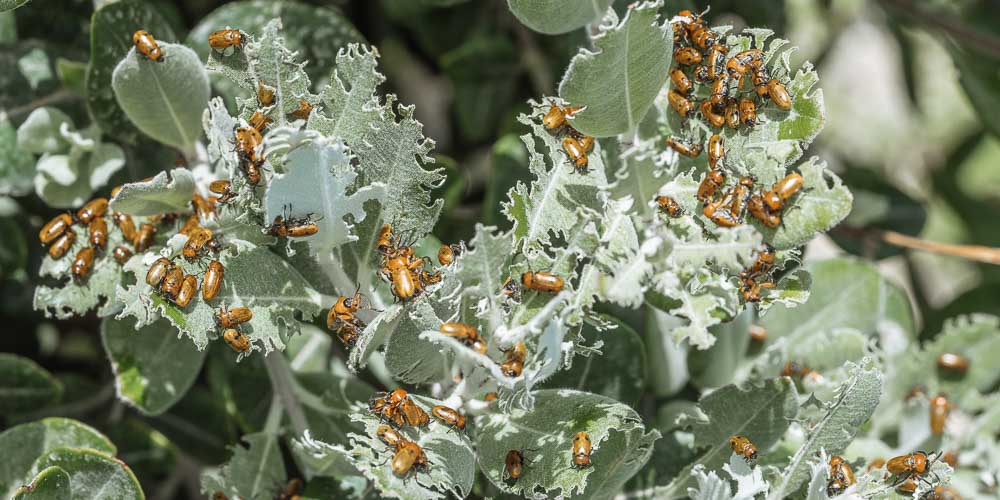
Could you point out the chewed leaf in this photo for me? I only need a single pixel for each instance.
(620, 444)
(318, 176)
(619, 81)
(554, 17)
(166, 192)
(817, 208)
(410, 358)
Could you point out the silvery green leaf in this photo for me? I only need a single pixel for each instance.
(165, 100)
(318, 176)
(408, 357)
(375, 335)
(691, 248)
(93, 474)
(322, 459)
(36, 67)
(550, 204)
(40, 131)
(853, 406)
(387, 141)
(275, 297)
(717, 366)
(823, 202)
(309, 351)
(166, 192)
(710, 485)
(480, 270)
(111, 29)
(640, 178)
(52, 483)
(620, 444)
(255, 471)
(24, 443)
(25, 386)
(749, 481)
(553, 17)
(759, 411)
(8, 5)
(67, 181)
(847, 293)
(620, 79)
(16, 163)
(153, 366)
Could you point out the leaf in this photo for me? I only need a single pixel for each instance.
(321, 459)
(309, 352)
(716, 366)
(620, 443)
(619, 81)
(24, 443)
(979, 82)
(318, 176)
(319, 30)
(256, 471)
(818, 208)
(153, 367)
(40, 131)
(165, 100)
(93, 474)
(111, 29)
(391, 152)
(166, 192)
(16, 164)
(750, 482)
(618, 372)
(760, 412)
(327, 400)
(6, 5)
(52, 483)
(199, 424)
(408, 357)
(854, 404)
(851, 294)
(275, 297)
(25, 386)
(553, 17)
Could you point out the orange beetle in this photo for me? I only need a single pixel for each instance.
(669, 206)
(581, 450)
(953, 362)
(228, 318)
(680, 103)
(449, 416)
(265, 96)
(758, 333)
(714, 119)
(55, 228)
(146, 45)
(125, 224)
(542, 282)
(577, 154)
(687, 56)
(779, 95)
(710, 184)
(409, 456)
(681, 81)
(939, 413)
(98, 233)
(83, 263)
(93, 209)
(302, 112)
(213, 280)
(122, 254)
(841, 476)
(144, 237)
(513, 465)
(236, 340)
(915, 463)
(715, 150)
(62, 244)
(189, 288)
(743, 447)
(223, 39)
(689, 149)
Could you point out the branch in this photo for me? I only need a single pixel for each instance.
(978, 253)
(53, 98)
(284, 389)
(972, 38)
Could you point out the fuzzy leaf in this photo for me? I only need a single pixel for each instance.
(8, 5)
(621, 444)
(255, 471)
(554, 17)
(166, 192)
(408, 357)
(760, 412)
(25, 386)
(853, 406)
(164, 100)
(153, 367)
(111, 29)
(619, 82)
(16, 164)
(53, 483)
(93, 474)
(818, 208)
(25, 442)
(40, 131)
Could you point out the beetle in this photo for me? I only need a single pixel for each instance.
(236, 340)
(342, 320)
(265, 96)
(83, 263)
(743, 447)
(55, 228)
(760, 211)
(189, 288)
(449, 416)
(710, 184)
(915, 463)
(758, 78)
(581, 450)
(411, 414)
(841, 476)
(286, 226)
(764, 261)
(223, 39)
(125, 224)
(907, 487)
(510, 289)
(447, 253)
(716, 213)
(732, 113)
(714, 119)
(716, 61)
(577, 154)
(715, 150)
(172, 281)
(122, 254)
(939, 413)
(222, 188)
(195, 245)
(758, 333)
(681, 81)
(92, 209)
(409, 456)
(461, 331)
(779, 94)
(302, 112)
(388, 435)
(62, 244)
(202, 206)
(144, 238)
(687, 56)
(542, 282)
(747, 112)
(98, 233)
(669, 206)
(689, 149)
(258, 121)
(156, 272)
(212, 282)
(953, 362)
(146, 45)
(720, 93)
(513, 465)
(292, 489)
(384, 243)
(750, 288)
(514, 363)
(680, 103)
(556, 116)
(704, 37)
(228, 318)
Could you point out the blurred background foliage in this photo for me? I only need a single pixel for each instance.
(912, 91)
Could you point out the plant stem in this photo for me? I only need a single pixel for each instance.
(53, 98)
(971, 38)
(978, 253)
(284, 389)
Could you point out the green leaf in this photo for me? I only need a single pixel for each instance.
(6, 5)
(309, 352)
(166, 192)
(254, 472)
(554, 17)
(199, 424)
(980, 83)
(147, 452)
(619, 81)
(328, 399)
(823, 202)
(40, 131)
(750, 482)
(620, 444)
(410, 358)
(854, 404)
(72, 74)
(25, 386)
(165, 100)
(716, 366)
(847, 293)
(25, 442)
(618, 372)
(16, 164)
(760, 412)
(52, 483)
(111, 29)
(153, 367)
(93, 474)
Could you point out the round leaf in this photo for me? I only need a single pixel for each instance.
(24, 443)
(553, 17)
(52, 483)
(164, 99)
(93, 474)
(24, 385)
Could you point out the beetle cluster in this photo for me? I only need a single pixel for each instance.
(400, 267)
(575, 145)
(59, 235)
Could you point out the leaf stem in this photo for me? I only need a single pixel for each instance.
(977, 253)
(284, 390)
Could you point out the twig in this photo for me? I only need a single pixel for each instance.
(53, 98)
(981, 41)
(978, 253)
(284, 389)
